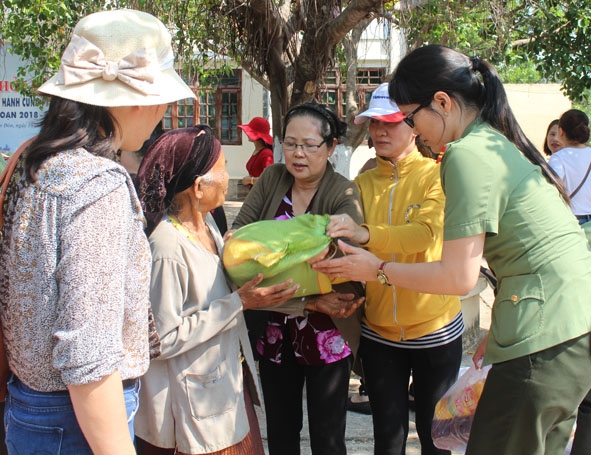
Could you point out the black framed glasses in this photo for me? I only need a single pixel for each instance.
(289, 146)
(409, 118)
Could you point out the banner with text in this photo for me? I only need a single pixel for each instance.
(19, 116)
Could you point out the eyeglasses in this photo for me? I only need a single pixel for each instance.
(307, 148)
(409, 118)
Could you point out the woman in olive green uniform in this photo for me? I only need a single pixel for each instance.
(503, 203)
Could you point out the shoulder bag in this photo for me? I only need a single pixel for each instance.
(570, 196)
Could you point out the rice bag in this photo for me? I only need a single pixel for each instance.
(279, 250)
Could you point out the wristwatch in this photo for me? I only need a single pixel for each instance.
(382, 278)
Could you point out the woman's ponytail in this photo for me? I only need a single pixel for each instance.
(497, 112)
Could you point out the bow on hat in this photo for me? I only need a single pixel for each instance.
(83, 61)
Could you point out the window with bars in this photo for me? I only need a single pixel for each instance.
(334, 89)
(179, 115)
(218, 105)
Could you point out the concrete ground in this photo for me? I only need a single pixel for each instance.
(359, 432)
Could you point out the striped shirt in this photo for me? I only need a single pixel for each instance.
(440, 337)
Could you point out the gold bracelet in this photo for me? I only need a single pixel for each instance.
(252, 180)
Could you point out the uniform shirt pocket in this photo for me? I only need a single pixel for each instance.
(518, 310)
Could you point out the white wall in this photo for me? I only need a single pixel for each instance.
(381, 44)
(535, 106)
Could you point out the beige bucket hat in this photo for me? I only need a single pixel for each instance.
(118, 58)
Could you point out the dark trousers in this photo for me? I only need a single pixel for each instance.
(387, 373)
(327, 388)
(582, 441)
(528, 403)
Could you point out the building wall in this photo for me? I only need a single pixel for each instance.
(535, 106)
(381, 44)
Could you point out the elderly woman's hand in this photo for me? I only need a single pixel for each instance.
(260, 297)
(335, 304)
(342, 225)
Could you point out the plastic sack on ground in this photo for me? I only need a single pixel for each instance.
(454, 412)
(279, 250)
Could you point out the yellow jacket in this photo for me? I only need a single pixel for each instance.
(403, 205)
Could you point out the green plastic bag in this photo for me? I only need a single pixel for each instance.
(279, 250)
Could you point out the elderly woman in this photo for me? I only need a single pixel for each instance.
(74, 262)
(193, 398)
(312, 349)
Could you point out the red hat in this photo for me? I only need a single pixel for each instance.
(258, 128)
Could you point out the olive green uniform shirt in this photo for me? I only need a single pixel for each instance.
(533, 243)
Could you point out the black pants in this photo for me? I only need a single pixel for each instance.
(582, 441)
(327, 388)
(387, 373)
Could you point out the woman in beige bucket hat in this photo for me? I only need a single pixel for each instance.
(75, 263)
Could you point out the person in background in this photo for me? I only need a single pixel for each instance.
(403, 331)
(74, 262)
(314, 349)
(552, 142)
(503, 202)
(573, 164)
(197, 396)
(257, 131)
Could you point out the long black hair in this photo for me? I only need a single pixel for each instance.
(68, 125)
(433, 68)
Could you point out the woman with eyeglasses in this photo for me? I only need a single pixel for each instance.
(504, 204)
(310, 349)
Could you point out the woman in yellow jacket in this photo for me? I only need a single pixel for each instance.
(404, 332)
